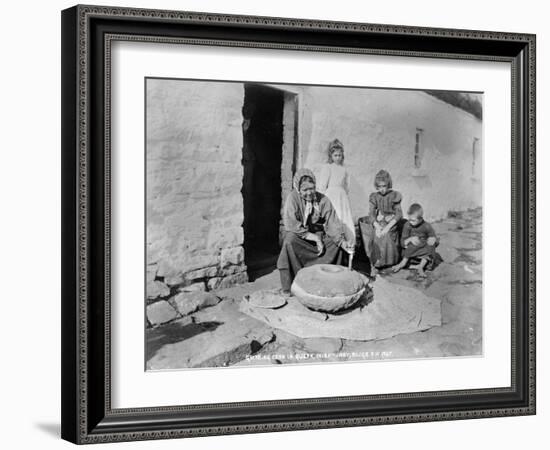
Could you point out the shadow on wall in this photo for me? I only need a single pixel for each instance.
(362, 209)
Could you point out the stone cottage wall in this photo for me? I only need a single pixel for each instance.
(194, 169)
(378, 130)
(193, 190)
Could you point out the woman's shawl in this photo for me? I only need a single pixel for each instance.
(294, 217)
(311, 207)
(300, 173)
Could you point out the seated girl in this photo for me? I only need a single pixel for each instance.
(380, 228)
(418, 240)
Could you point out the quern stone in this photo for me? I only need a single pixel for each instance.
(328, 287)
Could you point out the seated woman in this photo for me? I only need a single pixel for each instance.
(314, 234)
(380, 229)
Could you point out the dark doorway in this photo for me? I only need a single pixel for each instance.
(262, 158)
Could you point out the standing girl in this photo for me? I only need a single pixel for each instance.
(334, 183)
(379, 228)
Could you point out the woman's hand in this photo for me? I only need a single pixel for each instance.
(377, 229)
(318, 241)
(349, 247)
(319, 244)
(387, 228)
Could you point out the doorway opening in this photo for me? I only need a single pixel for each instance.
(268, 146)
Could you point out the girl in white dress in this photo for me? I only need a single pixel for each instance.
(334, 183)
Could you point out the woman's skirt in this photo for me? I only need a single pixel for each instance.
(297, 253)
(340, 202)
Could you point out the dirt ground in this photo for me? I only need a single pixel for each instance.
(221, 335)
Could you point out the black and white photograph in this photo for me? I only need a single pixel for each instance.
(299, 224)
(275, 225)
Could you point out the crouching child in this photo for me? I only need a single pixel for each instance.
(418, 240)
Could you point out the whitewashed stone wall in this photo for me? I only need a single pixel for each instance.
(194, 170)
(378, 128)
(194, 180)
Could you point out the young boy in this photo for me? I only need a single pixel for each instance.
(418, 240)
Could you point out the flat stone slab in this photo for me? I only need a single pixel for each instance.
(446, 226)
(460, 241)
(448, 254)
(214, 337)
(156, 289)
(476, 255)
(395, 310)
(286, 349)
(270, 281)
(188, 302)
(463, 273)
(160, 312)
(310, 345)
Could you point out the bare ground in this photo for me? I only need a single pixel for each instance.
(237, 339)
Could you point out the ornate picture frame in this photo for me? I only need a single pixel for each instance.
(88, 33)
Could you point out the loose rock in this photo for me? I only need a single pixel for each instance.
(156, 289)
(151, 272)
(206, 272)
(200, 286)
(189, 302)
(160, 312)
(224, 283)
(232, 256)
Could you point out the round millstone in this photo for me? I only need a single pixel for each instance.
(328, 287)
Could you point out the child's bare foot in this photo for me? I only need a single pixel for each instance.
(421, 273)
(396, 268)
(414, 266)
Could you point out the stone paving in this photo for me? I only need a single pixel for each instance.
(209, 330)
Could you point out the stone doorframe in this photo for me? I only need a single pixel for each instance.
(289, 148)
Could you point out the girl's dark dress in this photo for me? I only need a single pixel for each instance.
(423, 230)
(382, 251)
